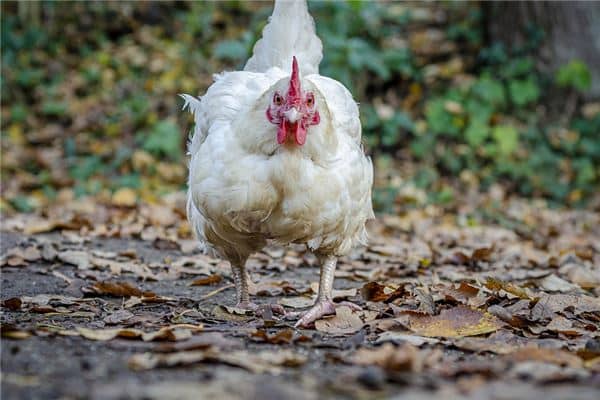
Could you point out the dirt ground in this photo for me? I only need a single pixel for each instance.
(46, 355)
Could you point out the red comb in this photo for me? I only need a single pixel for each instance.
(294, 92)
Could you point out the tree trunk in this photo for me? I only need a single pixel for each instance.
(572, 31)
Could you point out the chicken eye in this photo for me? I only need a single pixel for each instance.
(310, 100)
(277, 99)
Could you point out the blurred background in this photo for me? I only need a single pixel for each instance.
(455, 97)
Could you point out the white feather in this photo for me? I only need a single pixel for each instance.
(290, 32)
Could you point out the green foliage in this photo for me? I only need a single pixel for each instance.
(507, 139)
(575, 74)
(354, 48)
(163, 140)
(523, 91)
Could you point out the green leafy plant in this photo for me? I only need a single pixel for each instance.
(575, 74)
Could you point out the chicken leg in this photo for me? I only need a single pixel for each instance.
(242, 282)
(324, 304)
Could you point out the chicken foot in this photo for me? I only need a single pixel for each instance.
(242, 282)
(324, 304)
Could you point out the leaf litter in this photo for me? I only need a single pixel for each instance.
(441, 300)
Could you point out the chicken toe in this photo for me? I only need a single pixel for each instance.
(321, 309)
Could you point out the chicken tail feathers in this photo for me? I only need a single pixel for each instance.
(197, 136)
(290, 32)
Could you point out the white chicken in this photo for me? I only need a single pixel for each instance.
(276, 155)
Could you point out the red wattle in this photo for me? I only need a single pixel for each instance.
(282, 132)
(300, 134)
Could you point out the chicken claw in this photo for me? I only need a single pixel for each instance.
(324, 304)
(321, 309)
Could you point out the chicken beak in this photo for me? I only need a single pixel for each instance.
(292, 115)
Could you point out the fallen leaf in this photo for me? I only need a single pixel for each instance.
(203, 340)
(548, 304)
(234, 314)
(259, 362)
(373, 291)
(586, 278)
(345, 321)
(553, 283)
(460, 294)
(454, 322)
(500, 342)
(80, 259)
(296, 302)
(124, 197)
(109, 334)
(31, 253)
(400, 337)
(209, 280)
(284, 336)
(546, 372)
(12, 304)
(117, 289)
(48, 252)
(147, 361)
(552, 356)
(389, 357)
(10, 331)
(171, 333)
(118, 317)
(497, 285)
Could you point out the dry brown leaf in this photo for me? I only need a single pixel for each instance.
(117, 267)
(171, 333)
(11, 332)
(455, 322)
(118, 317)
(203, 340)
(40, 225)
(13, 304)
(124, 197)
(14, 261)
(284, 336)
(260, 362)
(146, 361)
(296, 302)
(151, 298)
(497, 285)
(402, 337)
(209, 280)
(117, 289)
(373, 291)
(460, 294)
(586, 278)
(31, 253)
(552, 356)
(109, 334)
(80, 259)
(553, 283)
(500, 342)
(345, 321)
(233, 314)
(266, 361)
(270, 288)
(549, 304)
(389, 357)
